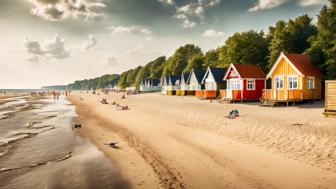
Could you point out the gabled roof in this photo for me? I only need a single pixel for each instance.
(246, 71)
(199, 74)
(174, 78)
(152, 81)
(300, 62)
(185, 76)
(217, 73)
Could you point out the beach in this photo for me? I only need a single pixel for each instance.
(40, 149)
(183, 142)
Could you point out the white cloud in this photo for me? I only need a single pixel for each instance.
(115, 30)
(266, 4)
(57, 10)
(212, 33)
(54, 48)
(90, 43)
(269, 4)
(169, 2)
(313, 2)
(193, 10)
(112, 61)
(141, 50)
(189, 24)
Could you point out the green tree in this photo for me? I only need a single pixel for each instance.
(177, 63)
(292, 36)
(245, 48)
(211, 58)
(196, 63)
(323, 46)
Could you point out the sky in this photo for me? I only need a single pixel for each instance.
(52, 42)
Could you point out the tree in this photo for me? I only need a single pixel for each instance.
(323, 46)
(245, 48)
(196, 63)
(176, 64)
(211, 58)
(292, 36)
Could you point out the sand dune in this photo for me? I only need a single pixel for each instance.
(182, 142)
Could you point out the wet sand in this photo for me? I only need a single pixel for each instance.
(182, 142)
(39, 148)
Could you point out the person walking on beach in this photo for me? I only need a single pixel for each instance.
(54, 94)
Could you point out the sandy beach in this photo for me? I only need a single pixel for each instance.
(183, 142)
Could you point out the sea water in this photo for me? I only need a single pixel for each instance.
(40, 149)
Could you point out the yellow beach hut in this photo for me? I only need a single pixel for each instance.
(294, 79)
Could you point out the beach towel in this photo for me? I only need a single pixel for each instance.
(233, 114)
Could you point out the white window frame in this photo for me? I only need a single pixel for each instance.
(275, 82)
(253, 84)
(290, 79)
(313, 84)
(234, 84)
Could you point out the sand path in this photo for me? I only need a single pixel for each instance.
(167, 146)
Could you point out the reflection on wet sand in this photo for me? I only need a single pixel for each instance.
(39, 149)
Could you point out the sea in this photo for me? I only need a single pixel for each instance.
(39, 148)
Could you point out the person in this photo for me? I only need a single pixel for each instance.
(54, 94)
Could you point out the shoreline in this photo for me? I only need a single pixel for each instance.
(171, 152)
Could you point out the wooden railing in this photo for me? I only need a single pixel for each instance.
(282, 95)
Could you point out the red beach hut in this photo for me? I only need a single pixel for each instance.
(244, 82)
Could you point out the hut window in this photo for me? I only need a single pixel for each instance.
(251, 85)
(234, 84)
(279, 82)
(292, 82)
(311, 83)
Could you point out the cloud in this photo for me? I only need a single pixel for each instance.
(168, 2)
(112, 61)
(266, 4)
(141, 50)
(90, 43)
(192, 11)
(58, 10)
(189, 24)
(269, 4)
(313, 2)
(54, 48)
(115, 30)
(34, 58)
(212, 33)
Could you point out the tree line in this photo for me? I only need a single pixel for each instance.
(297, 35)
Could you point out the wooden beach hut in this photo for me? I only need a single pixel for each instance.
(213, 81)
(243, 82)
(330, 98)
(183, 85)
(150, 85)
(195, 81)
(294, 79)
(169, 84)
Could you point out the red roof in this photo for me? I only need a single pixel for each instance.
(249, 71)
(303, 63)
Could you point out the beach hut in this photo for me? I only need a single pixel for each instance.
(213, 81)
(169, 84)
(195, 81)
(183, 85)
(243, 82)
(150, 85)
(294, 78)
(330, 98)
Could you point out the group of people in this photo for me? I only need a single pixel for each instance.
(37, 93)
(115, 104)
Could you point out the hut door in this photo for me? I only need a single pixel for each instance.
(229, 89)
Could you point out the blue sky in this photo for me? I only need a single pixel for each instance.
(46, 42)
